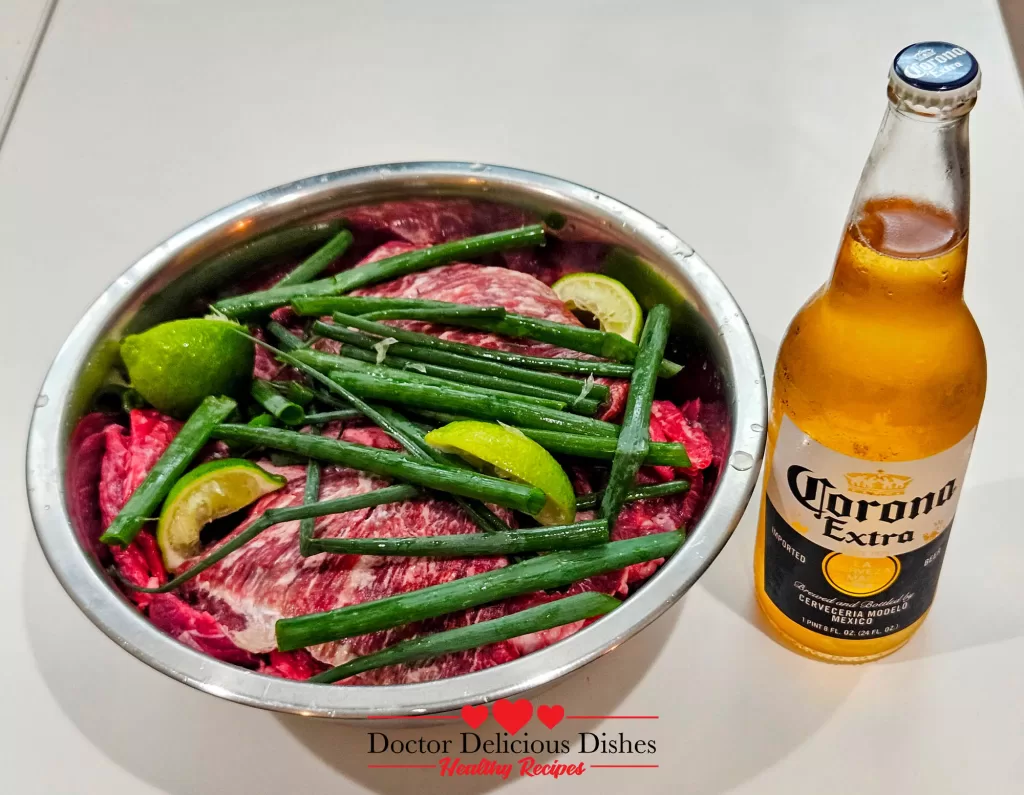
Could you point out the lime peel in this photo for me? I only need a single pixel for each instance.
(508, 453)
(175, 365)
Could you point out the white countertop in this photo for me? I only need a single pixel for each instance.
(21, 29)
(744, 131)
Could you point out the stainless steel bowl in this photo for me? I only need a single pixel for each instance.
(185, 266)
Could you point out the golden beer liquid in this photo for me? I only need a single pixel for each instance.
(884, 363)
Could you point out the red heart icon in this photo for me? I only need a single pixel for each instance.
(474, 716)
(512, 715)
(550, 716)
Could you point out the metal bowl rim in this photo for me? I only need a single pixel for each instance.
(123, 624)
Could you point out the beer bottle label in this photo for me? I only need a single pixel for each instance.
(853, 547)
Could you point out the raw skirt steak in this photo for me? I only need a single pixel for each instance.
(479, 285)
(425, 222)
(229, 611)
(268, 579)
(118, 460)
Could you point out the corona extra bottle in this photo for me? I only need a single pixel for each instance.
(878, 387)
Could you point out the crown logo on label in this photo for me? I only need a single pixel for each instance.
(880, 483)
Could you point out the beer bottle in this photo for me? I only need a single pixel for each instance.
(878, 387)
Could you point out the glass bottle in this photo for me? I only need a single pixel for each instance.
(878, 387)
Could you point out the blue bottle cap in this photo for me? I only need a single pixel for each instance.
(934, 78)
(935, 66)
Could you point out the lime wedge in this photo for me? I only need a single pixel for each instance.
(606, 299)
(177, 364)
(505, 452)
(210, 491)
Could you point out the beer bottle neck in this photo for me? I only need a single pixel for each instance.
(906, 235)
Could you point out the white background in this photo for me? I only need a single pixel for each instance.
(19, 20)
(742, 126)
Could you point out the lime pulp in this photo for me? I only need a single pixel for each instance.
(605, 298)
(210, 491)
